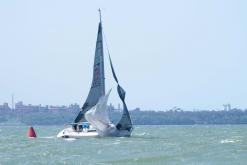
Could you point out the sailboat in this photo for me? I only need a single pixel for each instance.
(93, 119)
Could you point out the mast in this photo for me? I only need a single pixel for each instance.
(100, 15)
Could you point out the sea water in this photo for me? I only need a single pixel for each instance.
(193, 144)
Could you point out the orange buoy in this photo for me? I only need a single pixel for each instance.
(31, 133)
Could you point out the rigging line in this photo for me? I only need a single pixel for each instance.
(106, 43)
(113, 71)
(104, 37)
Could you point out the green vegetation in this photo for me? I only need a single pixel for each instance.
(234, 116)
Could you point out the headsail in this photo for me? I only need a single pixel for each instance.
(125, 121)
(98, 83)
(98, 115)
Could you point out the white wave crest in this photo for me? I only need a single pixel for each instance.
(225, 141)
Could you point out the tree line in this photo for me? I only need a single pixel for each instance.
(172, 117)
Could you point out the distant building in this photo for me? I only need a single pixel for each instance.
(137, 109)
(23, 108)
(70, 108)
(57, 108)
(5, 107)
(20, 107)
(227, 107)
(74, 107)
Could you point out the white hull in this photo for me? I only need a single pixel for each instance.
(71, 133)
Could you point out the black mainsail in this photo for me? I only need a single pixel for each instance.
(98, 83)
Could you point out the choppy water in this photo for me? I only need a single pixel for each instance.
(224, 144)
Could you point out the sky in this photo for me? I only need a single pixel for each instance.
(185, 53)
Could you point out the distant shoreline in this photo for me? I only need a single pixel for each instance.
(172, 117)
